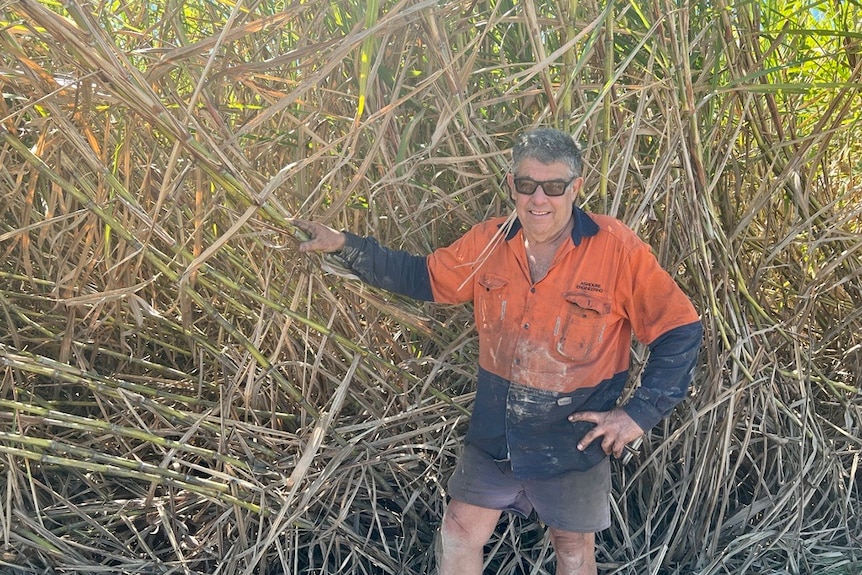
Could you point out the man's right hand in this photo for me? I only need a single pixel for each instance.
(321, 238)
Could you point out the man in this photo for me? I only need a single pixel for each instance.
(556, 300)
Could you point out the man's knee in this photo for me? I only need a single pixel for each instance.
(575, 552)
(465, 525)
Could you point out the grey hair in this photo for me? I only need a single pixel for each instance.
(548, 145)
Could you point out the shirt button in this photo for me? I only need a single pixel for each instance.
(532, 290)
(526, 326)
(517, 361)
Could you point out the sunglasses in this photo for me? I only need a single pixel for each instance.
(528, 186)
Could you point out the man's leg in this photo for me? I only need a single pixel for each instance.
(576, 552)
(463, 534)
(574, 506)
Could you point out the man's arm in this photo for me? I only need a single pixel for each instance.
(667, 375)
(320, 238)
(664, 383)
(393, 270)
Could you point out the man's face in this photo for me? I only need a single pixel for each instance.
(543, 217)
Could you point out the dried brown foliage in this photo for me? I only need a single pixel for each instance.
(182, 392)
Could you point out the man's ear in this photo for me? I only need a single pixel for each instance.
(510, 183)
(577, 185)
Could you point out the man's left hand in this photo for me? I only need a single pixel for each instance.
(615, 427)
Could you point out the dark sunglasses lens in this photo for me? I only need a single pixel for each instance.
(554, 188)
(526, 187)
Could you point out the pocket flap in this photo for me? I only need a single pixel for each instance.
(588, 304)
(491, 281)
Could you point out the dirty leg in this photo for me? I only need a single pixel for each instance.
(463, 534)
(576, 553)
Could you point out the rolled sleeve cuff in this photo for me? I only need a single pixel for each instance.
(643, 413)
(352, 247)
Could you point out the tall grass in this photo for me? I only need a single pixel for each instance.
(183, 392)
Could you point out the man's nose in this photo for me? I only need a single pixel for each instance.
(537, 196)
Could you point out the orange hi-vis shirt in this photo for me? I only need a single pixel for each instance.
(557, 346)
(572, 329)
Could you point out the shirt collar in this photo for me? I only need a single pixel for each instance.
(584, 226)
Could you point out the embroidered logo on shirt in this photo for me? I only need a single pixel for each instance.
(590, 286)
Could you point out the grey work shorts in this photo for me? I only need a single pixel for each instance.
(577, 501)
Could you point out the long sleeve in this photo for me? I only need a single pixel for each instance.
(393, 270)
(667, 375)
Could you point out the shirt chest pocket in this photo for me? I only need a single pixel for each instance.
(491, 302)
(581, 325)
